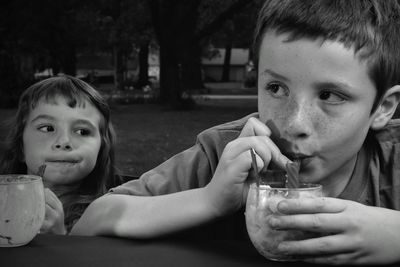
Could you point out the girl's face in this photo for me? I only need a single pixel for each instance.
(317, 99)
(67, 140)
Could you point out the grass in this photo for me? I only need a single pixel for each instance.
(148, 134)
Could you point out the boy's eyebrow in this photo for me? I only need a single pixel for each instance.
(275, 75)
(335, 84)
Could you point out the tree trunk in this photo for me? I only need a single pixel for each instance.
(191, 67)
(144, 64)
(227, 63)
(119, 68)
(169, 76)
(69, 60)
(175, 26)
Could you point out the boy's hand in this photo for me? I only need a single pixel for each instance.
(227, 190)
(54, 216)
(353, 233)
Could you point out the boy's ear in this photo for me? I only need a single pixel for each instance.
(386, 108)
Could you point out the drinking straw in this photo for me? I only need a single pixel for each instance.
(254, 165)
(41, 170)
(292, 169)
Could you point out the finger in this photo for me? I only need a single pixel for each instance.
(324, 245)
(337, 259)
(50, 212)
(270, 152)
(264, 147)
(311, 205)
(46, 226)
(52, 200)
(254, 127)
(318, 222)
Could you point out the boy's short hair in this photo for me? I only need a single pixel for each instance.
(370, 27)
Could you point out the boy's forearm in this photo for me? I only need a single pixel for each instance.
(145, 217)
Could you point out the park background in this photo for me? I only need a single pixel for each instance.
(168, 68)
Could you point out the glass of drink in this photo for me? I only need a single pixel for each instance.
(262, 202)
(22, 208)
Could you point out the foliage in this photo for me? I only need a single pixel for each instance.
(42, 34)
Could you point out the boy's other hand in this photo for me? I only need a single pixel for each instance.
(351, 233)
(54, 216)
(227, 191)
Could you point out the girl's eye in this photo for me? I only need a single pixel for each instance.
(331, 97)
(46, 128)
(83, 132)
(275, 89)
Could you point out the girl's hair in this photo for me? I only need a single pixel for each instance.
(76, 92)
(370, 27)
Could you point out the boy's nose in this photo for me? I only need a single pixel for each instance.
(299, 121)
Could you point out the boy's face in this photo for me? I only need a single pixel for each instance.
(317, 100)
(66, 139)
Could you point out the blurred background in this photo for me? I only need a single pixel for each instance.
(168, 68)
(167, 50)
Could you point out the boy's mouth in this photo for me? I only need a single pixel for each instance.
(303, 159)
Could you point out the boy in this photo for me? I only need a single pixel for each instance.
(328, 85)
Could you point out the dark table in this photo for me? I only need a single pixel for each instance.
(77, 251)
(81, 251)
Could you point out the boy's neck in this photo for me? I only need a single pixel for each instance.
(334, 185)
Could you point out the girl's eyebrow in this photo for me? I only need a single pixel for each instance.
(89, 123)
(48, 117)
(42, 117)
(275, 75)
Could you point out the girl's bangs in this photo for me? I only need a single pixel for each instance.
(49, 92)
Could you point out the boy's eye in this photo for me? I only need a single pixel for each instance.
(83, 132)
(46, 128)
(275, 89)
(331, 97)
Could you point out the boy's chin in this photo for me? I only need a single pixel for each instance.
(310, 176)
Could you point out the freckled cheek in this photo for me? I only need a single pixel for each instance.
(281, 117)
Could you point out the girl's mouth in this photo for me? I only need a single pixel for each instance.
(62, 161)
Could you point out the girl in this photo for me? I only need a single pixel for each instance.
(62, 131)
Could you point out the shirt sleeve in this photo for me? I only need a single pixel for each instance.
(192, 168)
(186, 170)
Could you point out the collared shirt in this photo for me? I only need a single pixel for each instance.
(375, 180)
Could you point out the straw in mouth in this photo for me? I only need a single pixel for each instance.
(292, 169)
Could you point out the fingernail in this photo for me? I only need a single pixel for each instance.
(273, 222)
(282, 206)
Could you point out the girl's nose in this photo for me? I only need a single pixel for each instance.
(299, 121)
(63, 142)
(64, 146)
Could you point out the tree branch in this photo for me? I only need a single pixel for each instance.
(219, 20)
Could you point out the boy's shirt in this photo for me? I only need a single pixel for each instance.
(375, 180)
